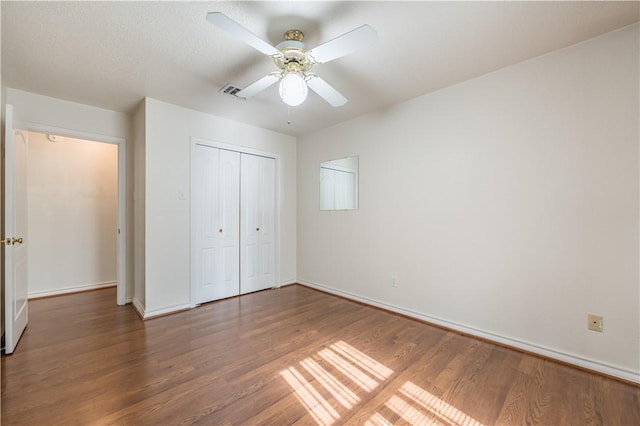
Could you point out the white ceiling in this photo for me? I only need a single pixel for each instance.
(112, 54)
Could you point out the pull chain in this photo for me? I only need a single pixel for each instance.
(288, 114)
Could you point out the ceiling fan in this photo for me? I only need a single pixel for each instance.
(295, 61)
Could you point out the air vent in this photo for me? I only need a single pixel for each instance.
(230, 90)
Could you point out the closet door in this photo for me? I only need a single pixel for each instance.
(257, 235)
(216, 196)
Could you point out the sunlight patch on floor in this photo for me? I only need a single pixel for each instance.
(316, 405)
(356, 367)
(437, 406)
(377, 420)
(349, 370)
(323, 393)
(339, 391)
(409, 413)
(361, 360)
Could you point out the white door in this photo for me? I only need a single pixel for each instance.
(215, 235)
(257, 234)
(229, 223)
(15, 222)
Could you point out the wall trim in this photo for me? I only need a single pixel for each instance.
(145, 314)
(286, 283)
(137, 305)
(66, 290)
(584, 363)
(42, 128)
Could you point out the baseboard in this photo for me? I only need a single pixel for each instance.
(286, 283)
(137, 305)
(577, 361)
(66, 290)
(145, 314)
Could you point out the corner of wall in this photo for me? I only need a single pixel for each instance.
(139, 307)
(138, 198)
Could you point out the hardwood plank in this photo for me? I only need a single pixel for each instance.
(284, 356)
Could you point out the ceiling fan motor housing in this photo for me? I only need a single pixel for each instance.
(294, 56)
(294, 34)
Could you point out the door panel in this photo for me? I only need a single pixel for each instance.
(215, 223)
(209, 184)
(205, 199)
(266, 257)
(257, 177)
(16, 259)
(208, 267)
(229, 217)
(249, 237)
(268, 222)
(230, 263)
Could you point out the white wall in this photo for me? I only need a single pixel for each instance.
(73, 214)
(169, 130)
(507, 205)
(33, 110)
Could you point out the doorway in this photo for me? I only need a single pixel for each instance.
(15, 217)
(75, 198)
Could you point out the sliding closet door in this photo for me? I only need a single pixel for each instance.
(257, 235)
(216, 196)
(229, 224)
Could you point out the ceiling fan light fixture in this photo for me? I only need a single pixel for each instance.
(294, 61)
(293, 89)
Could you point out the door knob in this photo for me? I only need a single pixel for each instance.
(17, 241)
(257, 229)
(220, 230)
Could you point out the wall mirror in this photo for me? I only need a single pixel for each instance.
(339, 184)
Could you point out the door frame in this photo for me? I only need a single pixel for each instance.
(121, 143)
(242, 150)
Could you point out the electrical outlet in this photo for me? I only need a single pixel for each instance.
(394, 281)
(594, 323)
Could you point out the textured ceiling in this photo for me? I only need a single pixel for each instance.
(112, 54)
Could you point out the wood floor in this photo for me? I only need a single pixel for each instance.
(278, 357)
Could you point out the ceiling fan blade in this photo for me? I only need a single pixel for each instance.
(326, 92)
(254, 88)
(357, 39)
(238, 31)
